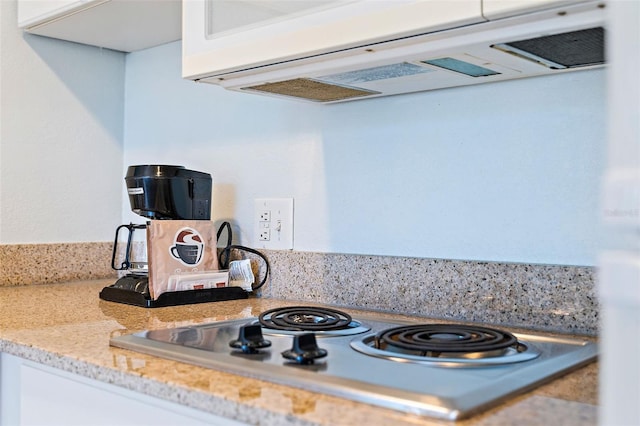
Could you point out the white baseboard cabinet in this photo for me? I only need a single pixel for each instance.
(35, 394)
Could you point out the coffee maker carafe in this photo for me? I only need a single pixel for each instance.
(157, 192)
(133, 260)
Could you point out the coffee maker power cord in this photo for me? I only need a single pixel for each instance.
(225, 254)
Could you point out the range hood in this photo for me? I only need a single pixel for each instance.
(559, 38)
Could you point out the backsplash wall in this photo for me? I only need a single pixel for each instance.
(26, 264)
(504, 172)
(553, 298)
(541, 297)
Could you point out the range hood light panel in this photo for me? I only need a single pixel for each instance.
(384, 72)
(461, 67)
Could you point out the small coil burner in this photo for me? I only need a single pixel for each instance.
(446, 345)
(322, 321)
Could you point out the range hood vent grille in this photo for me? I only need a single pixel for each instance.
(312, 90)
(559, 51)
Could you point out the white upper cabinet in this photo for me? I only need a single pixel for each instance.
(124, 25)
(494, 9)
(341, 50)
(223, 36)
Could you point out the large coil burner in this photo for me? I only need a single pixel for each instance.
(446, 345)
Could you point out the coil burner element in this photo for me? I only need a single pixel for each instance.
(321, 321)
(446, 345)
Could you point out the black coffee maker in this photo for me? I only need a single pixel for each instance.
(163, 192)
(156, 192)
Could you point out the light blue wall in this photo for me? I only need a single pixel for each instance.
(61, 137)
(498, 172)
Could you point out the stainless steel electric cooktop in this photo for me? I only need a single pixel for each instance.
(448, 371)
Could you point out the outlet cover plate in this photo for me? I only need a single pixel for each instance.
(274, 215)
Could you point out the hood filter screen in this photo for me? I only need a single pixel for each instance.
(567, 50)
(311, 90)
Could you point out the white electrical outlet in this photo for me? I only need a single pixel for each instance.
(273, 224)
(265, 235)
(265, 216)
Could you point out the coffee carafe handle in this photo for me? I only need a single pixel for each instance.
(126, 264)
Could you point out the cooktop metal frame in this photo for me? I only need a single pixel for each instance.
(439, 392)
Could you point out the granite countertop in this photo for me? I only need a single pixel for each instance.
(67, 326)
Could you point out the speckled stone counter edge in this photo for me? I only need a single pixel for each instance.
(24, 264)
(542, 297)
(179, 395)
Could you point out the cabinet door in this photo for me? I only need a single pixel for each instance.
(42, 395)
(224, 36)
(9, 390)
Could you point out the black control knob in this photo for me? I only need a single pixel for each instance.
(305, 349)
(250, 339)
